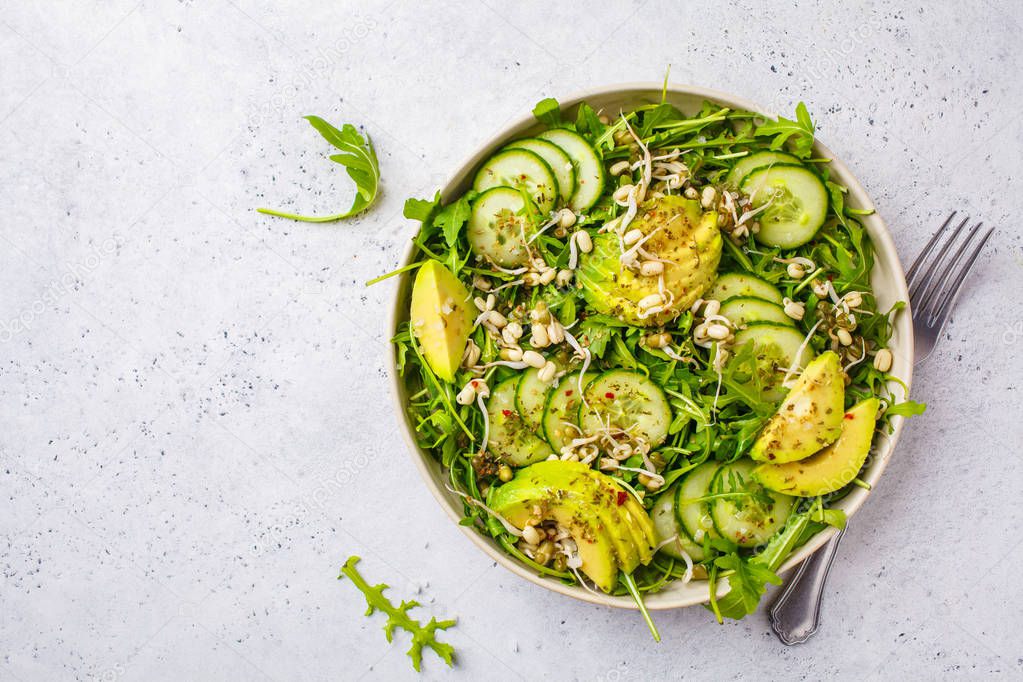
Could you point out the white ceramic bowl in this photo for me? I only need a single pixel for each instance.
(887, 278)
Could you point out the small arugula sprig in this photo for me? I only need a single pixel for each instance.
(749, 575)
(747, 584)
(360, 161)
(798, 133)
(422, 635)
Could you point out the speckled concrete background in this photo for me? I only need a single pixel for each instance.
(196, 430)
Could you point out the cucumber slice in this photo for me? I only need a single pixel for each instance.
(746, 165)
(531, 396)
(694, 517)
(498, 226)
(747, 521)
(556, 158)
(776, 347)
(561, 413)
(511, 439)
(589, 169)
(742, 310)
(520, 168)
(666, 525)
(733, 284)
(629, 401)
(799, 204)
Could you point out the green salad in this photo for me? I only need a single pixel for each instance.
(645, 347)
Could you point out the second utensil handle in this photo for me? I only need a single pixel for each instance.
(795, 615)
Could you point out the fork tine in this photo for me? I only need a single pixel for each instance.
(948, 299)
(937, 288)
(911, 275)
(927, 280)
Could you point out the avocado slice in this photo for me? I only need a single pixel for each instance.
(596, 549)
(585, 502)
(688, 238)
(628, 515)
(442, 317)
(809, 418)
(600, 495)
(642, 527)
(832, 468)
(609, 504)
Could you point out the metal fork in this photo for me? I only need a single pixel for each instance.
(933, 291)
(934, 281)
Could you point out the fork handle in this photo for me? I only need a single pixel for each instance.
(795, 615)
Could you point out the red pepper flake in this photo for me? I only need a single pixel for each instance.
(622, 496)
(506, 413)
(609, 395)
(568, 392)
(849, 415)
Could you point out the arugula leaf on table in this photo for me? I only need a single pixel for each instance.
(360, 161)
(799, 132)
(397, 617)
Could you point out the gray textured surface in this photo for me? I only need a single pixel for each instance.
(196, 427)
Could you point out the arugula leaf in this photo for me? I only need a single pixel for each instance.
(661, 114)
(832, 517)
(908, 408)
(850, 254)
(421, 209)
(567, 311)
(599, 329)
(587, 122)
(451, 218)
(401, 353)
(397, 617)
(360, 161)
(448, 220)
(630, 585)
(598, 337)
(742, 379)
(747, 584)
(752, 574)
(621, 355)
(548, 112)
(837, 194)
(798, 132)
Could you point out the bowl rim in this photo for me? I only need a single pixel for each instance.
(884, 444)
